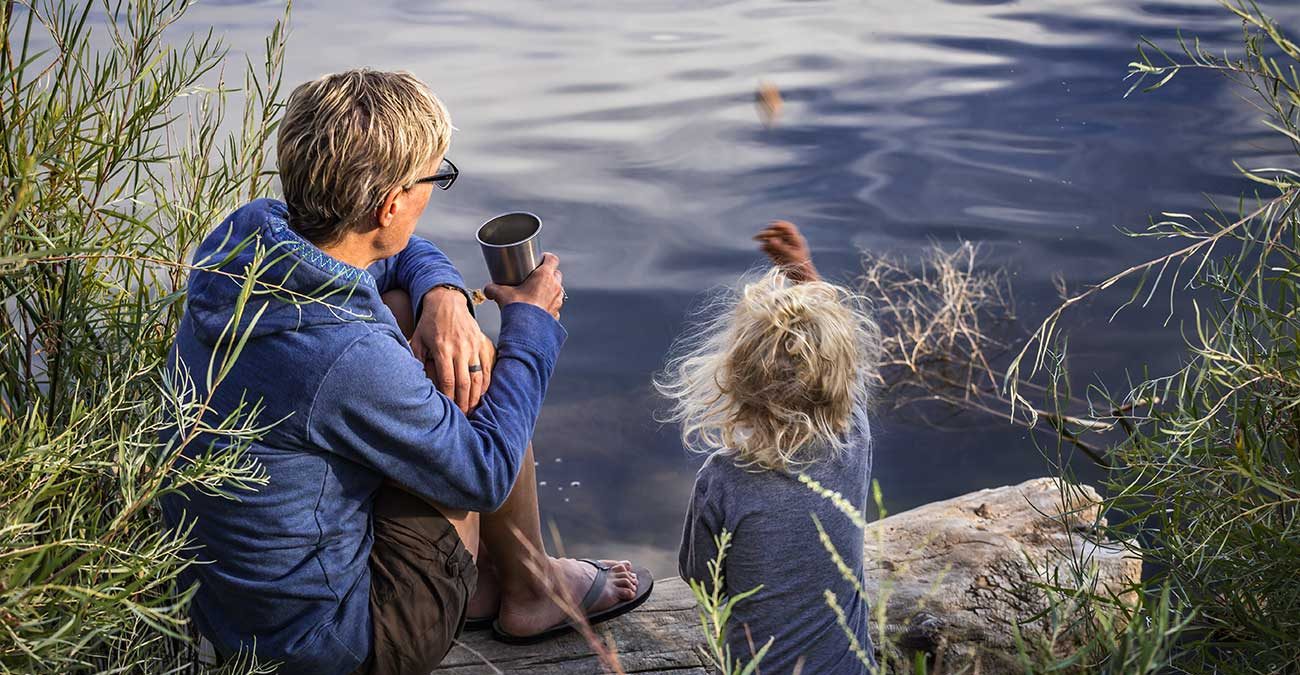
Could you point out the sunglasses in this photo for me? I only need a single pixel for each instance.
(446, 175)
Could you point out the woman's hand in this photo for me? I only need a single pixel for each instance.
(543, 288)
(785, 245)
(455, 352)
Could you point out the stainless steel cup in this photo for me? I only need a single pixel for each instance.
(512, 246)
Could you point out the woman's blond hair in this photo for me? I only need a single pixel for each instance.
(776, 378)
(348, 139)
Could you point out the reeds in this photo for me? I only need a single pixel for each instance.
(116, 162)
(715, 608)
(1206, 486)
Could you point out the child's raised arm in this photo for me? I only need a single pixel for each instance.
(786, 246)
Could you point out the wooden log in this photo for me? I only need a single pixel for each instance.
(953, 576)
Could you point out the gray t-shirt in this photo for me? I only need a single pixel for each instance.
(775, 544)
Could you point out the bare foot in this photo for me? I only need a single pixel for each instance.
(532, 613)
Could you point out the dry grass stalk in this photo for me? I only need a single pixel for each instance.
(939, 327)
(604, 648)
(479, 655)
(939, 319)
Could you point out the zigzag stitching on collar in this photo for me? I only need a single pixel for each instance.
(281, 232)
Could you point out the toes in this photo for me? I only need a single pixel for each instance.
(624, 590)
(626, 581)
(623, 579)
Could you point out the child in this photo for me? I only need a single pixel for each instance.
(775, 387)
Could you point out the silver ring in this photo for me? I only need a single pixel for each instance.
(475, 368)
(566, 296)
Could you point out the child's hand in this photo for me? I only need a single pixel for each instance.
(787, 248)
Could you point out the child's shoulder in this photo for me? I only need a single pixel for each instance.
(725, 469)
(717, 464)
(720, 469)
(736, 491)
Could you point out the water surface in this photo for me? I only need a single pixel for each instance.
(630, 128)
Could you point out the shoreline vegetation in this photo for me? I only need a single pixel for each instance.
(119, 158)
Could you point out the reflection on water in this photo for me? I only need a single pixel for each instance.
(630, 128)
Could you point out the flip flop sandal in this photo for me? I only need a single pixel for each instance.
(645, 583)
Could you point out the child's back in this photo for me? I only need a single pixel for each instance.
(776, 544)
(774, 386)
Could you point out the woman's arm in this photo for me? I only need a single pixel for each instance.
(418, 269)
(446, 334)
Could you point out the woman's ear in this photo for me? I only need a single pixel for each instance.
(387, 211)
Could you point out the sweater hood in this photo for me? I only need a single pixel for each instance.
(288, 283)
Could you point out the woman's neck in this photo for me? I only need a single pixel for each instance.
(355, 249)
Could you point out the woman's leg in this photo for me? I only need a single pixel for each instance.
(528, 579)
(524, 578)
(421, 580)
(486, 601)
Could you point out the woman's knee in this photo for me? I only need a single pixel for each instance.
(399, 303)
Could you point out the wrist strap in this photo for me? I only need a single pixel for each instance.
(469, 299)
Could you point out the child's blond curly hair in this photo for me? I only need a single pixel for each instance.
(775, 378)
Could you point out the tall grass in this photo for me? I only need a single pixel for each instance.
(715, 608)
(121, 150)
(1207, 480)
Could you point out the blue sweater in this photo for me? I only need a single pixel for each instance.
(284, 566)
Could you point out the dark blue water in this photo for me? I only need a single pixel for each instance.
(630, 128)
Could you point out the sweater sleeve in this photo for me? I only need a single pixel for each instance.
(699, 536)
(417, 269)
(376, 406)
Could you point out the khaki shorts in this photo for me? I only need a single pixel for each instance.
(421, 579)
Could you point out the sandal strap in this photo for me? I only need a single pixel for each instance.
(597, 584)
